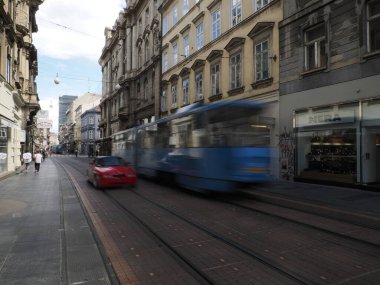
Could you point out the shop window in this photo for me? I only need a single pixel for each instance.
(373, 25)
(314, 45)
(328, 155)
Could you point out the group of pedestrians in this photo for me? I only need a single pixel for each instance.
(38, 157)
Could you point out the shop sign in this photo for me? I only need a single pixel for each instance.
(43, 123)
(324, 118)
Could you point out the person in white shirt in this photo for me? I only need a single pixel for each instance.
(27, 157)
(37, 161)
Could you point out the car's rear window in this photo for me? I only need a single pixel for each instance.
(111, 161)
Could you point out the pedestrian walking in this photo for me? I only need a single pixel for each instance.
(37, 161)
(27, 157)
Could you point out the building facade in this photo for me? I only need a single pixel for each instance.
(131, 70)
(19, 100)
(330, 96)
(221, 50)
(90, 131)
(63, 105)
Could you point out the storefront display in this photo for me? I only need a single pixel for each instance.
(328, 155)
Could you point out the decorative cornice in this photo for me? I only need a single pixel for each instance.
(173, 78)
(174, 38)
(259, 28)
(198, 63)
(213, 4)
(214, 54)
(185, 29)
(184, 72)
(234, 43)
(197, 18)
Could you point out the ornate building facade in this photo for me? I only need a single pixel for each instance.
(131, 70)
(19, 100)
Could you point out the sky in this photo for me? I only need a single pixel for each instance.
(69, 43)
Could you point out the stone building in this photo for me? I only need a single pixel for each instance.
(131, 70)
(89, 131)
(330, 96)
(19, 100)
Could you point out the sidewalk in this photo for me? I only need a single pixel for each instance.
(44, 234)
(350, 199)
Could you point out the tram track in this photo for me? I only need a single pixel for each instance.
(289, 217)
(186, 261)
(295, 277)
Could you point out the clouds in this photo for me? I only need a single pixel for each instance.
(69, 41)
(72, 28)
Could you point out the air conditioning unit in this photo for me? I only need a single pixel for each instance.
(200, 96)
(174, 105)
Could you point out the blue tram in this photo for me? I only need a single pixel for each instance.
(204, 147)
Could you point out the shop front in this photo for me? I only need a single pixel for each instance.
(339, 144)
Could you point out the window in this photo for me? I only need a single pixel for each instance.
(236, 12)
(146, 89)
(215, 78)
(235, 65)
(315, 52)
(165, 61)
(139, 58)
(174, 95)
(147, 51)
(147, 17)
(163, 101)
(153, 85)
(8, 70)
(373, 25)
(165, 25)
(91, 120)
(3, 132)
(185, 90)
(199, 35)
(186, 45)
(199, 85)
(174, 15)
(175, 53)
(91, 134)
(138, 91)
(216, 24)
(262, 61)
(185, 6)
(260, 4)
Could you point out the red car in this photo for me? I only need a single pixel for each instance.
(110, 171)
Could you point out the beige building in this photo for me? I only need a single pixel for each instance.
(131, 70)
(220, 50)
(19, 101)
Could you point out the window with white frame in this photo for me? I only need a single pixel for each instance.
(165, 25)
(165, 61)
(163, 101)
(235, 70)
(91, 120)
(199, 85)
(373, 25)
(262, 61)
(236, 12)
(91, 134)
(174, 95)
(186, 45)
(3, 132)
(185, 6)
(174, 15)
(216, 24)
(315, 51)
(215, 78)
(199, 35)
(260, 4)
(175, 53)
(185, 91)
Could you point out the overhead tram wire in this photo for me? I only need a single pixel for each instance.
(67, 28)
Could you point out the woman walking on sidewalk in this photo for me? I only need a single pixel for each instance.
(37, 161)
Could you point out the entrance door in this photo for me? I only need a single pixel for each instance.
(371, 155)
